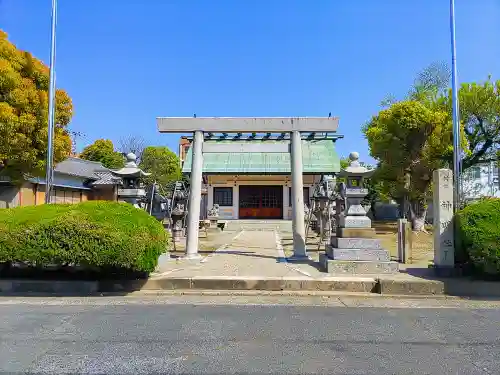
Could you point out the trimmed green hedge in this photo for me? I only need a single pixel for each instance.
(94, 234)
(479, 236)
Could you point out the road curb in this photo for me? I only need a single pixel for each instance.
(363, 285)
(235, 284)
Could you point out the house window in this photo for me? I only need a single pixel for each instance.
(223, 196)
(476, 172)
(306, 196)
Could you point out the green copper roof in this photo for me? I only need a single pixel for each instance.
(318, 156)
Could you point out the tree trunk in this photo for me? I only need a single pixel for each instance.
(374, 212)
(418, 212)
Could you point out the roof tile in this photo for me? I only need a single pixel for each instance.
(318, 156)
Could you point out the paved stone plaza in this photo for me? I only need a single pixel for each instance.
(253, 248)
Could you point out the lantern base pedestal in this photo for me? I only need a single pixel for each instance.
(355, 251)
(356, 232)
(357, 267)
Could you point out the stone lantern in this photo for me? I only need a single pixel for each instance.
(355, 250)
(131, 190)
(354, 192)
(178, 211)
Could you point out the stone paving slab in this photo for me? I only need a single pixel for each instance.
(248, 253)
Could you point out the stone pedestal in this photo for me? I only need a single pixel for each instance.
(177, 235)
(213, 224)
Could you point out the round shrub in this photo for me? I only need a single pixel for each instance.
(479, 235)
(94, 234)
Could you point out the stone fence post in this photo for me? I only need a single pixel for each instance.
(404, 241)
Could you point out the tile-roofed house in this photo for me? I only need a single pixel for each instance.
(75, 180)
(79, 167)
(105, 177)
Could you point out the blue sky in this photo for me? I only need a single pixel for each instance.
(124, 62)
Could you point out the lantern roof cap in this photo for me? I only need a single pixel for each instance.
(130, 169)
(355, 168)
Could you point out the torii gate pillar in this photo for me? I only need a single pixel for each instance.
(298, 222)
(193, 227)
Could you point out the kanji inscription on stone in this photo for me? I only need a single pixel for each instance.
(444, 249)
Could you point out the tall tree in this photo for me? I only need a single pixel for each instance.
(408, 140)
(480, 115)
(104, 152)
(135, 144)
(479, 105)
(24, 84)
(162, 163)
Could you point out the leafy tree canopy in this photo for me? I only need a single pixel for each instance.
(162, 163)
(409, 140)
(24, 84)
(406, 161)
(103, 151)
(479, 105)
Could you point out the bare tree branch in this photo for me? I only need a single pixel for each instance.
(135, 144)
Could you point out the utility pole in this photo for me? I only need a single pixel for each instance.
(49, 173)
(456, 113)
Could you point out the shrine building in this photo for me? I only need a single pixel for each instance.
(249, 175)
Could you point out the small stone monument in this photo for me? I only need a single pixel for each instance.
(444, 249)
(213, 218)
(355, 250)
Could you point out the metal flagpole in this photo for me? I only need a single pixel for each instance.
(456, 113)
(49, 173)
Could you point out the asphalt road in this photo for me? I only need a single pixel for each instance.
(170, 338)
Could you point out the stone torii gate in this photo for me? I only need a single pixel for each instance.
(293, 125)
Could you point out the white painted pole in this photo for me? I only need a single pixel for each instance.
(456, 113)
(195, 197)
(298, 224)
(152, 195)
(49, 174)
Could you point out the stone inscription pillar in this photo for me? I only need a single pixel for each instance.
(298, 224)
(195, 197)
(444, 247)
